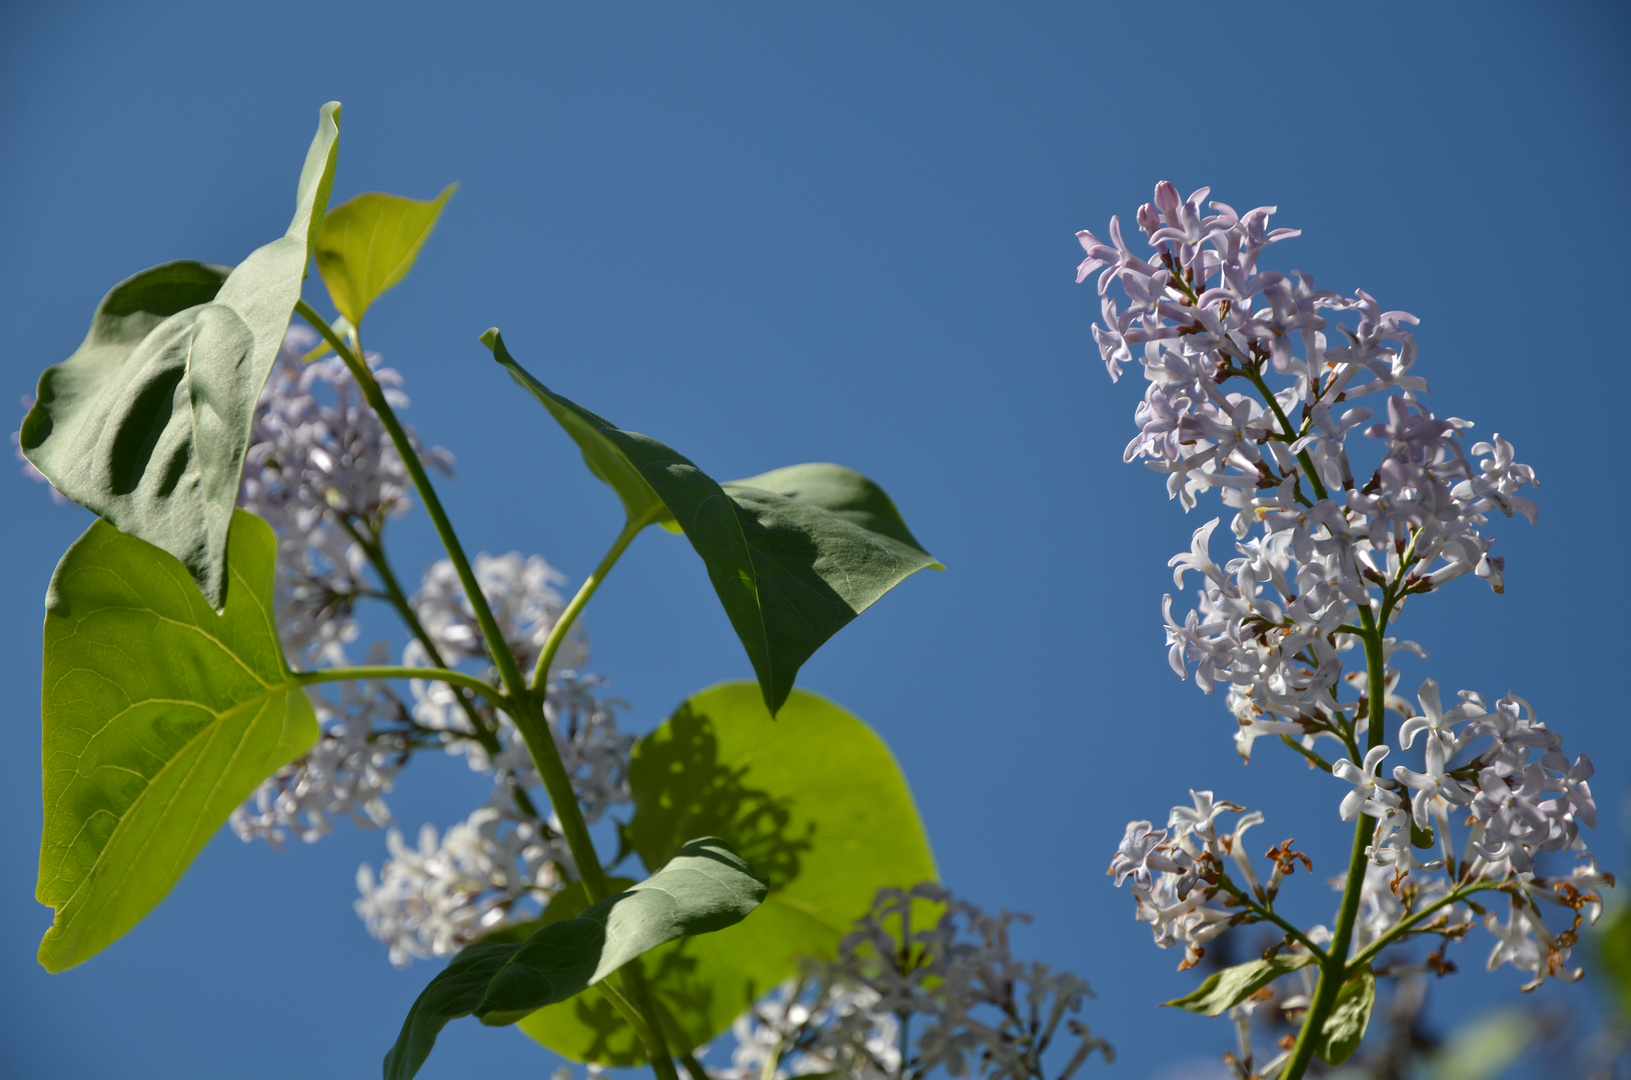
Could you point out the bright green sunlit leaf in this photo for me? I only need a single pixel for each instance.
(159, 718)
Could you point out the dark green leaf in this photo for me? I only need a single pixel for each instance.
(705, 887)
(1345, 1028)
(147, 423)
(369, 243)
(615, 457)
(793, 554)
(813, 798)
(159, 717)
(1225, 989)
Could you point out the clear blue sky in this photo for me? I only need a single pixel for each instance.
(774, 233)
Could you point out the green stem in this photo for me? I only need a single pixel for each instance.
(1374, 948)
(507, 668)
(374, 548)
(1289, 432)
(563, 625)
(519, 702)
(640, 1022)
(1313, 758)
(635, 986)
(1262, 911)
(693, 1067)
(1335, 970)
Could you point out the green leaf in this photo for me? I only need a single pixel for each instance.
(147, 423)
(1612, 940)
(793, 555)
(369, 243)
(1345, 1028)
(566, 904)
(1484, 1047)
(1225, 989)
(159, 718)
(614, 457)
(705, 887)
(813, 798)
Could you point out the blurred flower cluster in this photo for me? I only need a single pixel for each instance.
(1341, 512)
(919, 957)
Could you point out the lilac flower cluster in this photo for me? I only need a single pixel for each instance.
(324, 473)
(1314, 545)
(1250, 375)
(980, 1009)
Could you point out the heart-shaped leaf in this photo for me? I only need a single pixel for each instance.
(1345, 1028)
(147, 423)
(1225, 989)
(793, 555)
(705, 887)
(159, 717)
(813, 798)
(369, 243)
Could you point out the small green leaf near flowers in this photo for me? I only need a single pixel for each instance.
(1225, 989)
(705, 887)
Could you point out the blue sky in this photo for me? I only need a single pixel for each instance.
(773, 234)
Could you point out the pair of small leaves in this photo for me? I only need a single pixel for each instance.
(705, 887)
(1344, 1028)
(793, 554)
(160, 717)
(813, 798)
(148, 422)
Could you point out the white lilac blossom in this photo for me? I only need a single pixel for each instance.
(323, 472)
(921, 960)
(1253, 379)
(525, 605)
(495, 868)
(808, 1026)
(362, 746)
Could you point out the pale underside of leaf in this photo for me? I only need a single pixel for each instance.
(147, 423)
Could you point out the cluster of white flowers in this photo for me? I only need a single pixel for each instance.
(1314, 545)
(979, 1006)
(495, 868)
(808, 1027)
(1323, 561)
(347, 773)
(323, 471)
